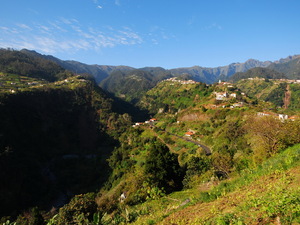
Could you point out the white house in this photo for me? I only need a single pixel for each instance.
(283, 116)
(221, 95)
(233, 95)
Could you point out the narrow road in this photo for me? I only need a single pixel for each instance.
(204, 147)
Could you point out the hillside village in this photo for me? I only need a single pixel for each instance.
(289, 81)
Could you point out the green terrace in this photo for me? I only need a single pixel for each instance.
(12, 83)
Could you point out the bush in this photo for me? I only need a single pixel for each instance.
(162, 168)
(195, 166)
(80, 210)
(33, 217)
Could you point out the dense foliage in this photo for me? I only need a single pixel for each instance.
(258, 72)
(172, 97)
(279, 93)
(133, 84)
(19, 63)
(50, 142)
(162, 168)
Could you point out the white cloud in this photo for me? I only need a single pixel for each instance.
(65, 35)
(56, 26)
(4, 29)
(24, 26)
(44, 29)
(98, 6)
(68, 21)
(214, 26)
(158, 33)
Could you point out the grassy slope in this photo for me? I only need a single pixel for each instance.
(257, 88)
(267, 194)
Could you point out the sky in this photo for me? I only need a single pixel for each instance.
(165, 33)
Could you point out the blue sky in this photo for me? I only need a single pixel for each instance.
(166, 33)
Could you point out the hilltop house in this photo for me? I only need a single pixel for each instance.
(221, 95)
(239, 104)
(283, 116)
(233, 95)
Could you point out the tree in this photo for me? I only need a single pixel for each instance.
(266, 136)
(195, 167)
(80, 210)
(222, 164)
(162, 168)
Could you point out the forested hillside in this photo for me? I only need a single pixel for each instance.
(133, 84)
(51, 138)
(54, 136)
(16, 62)
(258, 72)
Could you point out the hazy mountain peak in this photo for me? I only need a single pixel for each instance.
(287, 59)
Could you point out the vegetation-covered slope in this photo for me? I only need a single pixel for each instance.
(281, 93)
(141, 191)
(266, 195)
(133, 84)
(17, 62)
(49, 141)
(258, 72)
(290, 67)
(172, 96)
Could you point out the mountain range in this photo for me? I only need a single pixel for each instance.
(290, 64)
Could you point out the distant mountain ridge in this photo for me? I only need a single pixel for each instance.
(197, 73)
(99, 72)
(289, 66)
(211, 75)
(257, 72)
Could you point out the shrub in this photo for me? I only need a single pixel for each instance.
(80, 210)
